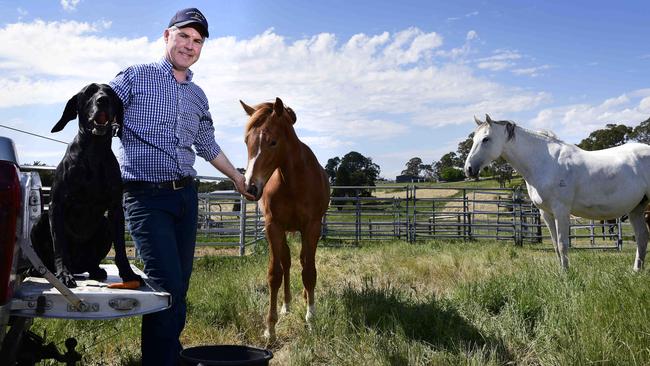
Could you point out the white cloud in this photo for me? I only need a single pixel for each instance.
(345, 92)
(530, 71)
(70, 5)
(575, 122)
(502, 59)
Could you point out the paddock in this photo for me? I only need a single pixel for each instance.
(433, 302)
(442, 282)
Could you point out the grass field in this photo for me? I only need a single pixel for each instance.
(393, 303)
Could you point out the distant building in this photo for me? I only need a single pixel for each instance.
(407, 178)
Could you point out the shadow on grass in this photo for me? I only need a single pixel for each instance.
(438, 323)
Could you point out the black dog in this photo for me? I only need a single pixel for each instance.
(75, 235)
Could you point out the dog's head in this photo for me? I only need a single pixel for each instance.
(100, 111)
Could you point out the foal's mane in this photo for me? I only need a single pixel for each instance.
(262, 111)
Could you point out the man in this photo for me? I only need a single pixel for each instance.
(165, 114)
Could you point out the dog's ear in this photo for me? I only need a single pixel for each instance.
(69, 113)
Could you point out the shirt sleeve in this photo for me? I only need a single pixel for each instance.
(205, 144)
(121, 84)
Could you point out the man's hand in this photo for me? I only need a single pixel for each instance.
(240, 186)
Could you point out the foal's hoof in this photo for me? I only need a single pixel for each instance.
(269, 335)
(311, 313)
(286, 308)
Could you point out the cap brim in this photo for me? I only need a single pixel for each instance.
(203, 31)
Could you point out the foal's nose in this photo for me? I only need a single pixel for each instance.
(252, 189)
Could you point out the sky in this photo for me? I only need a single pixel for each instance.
(391, 80)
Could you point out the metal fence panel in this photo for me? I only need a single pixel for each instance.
(402, 212)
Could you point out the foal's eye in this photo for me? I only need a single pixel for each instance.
(273, 143)
(486, 139)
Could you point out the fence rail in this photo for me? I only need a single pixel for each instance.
(411, 212)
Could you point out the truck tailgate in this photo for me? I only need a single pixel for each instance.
(36, 297)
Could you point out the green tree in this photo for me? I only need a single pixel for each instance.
(451, 174)
(356, 170)
(612, 135)
(427, 171)
(353, 169)
(502, 171)
(641, 133)
(464, 147)
(449, 160)
(331, 167)
(413, 167)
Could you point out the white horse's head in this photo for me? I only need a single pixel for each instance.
(490, 138)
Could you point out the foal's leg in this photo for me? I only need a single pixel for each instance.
(277, 242)
(286, 269)
(549, 219)
(640, 233)
(308, 260)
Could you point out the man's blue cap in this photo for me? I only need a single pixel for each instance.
(190, 17)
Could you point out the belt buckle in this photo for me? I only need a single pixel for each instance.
(176, 188)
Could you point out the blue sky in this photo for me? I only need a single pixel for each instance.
(391, 80)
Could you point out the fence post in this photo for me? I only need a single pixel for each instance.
(358, 217)
(242, 225)
(413, 226)
(465, 207)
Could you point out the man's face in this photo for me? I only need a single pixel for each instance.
(183, 46)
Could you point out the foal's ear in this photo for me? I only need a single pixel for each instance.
(478, 121)
(249, 110)
(488, 119)
(278, 106)
(69, 113)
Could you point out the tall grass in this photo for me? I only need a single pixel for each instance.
(393, 303)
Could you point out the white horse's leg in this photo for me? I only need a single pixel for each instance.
(549, 219)
(640, 233)
(562, 225)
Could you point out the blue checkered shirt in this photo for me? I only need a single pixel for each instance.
(163, 119)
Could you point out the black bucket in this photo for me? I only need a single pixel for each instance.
(222, 355)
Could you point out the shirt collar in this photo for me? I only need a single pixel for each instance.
(167, 68)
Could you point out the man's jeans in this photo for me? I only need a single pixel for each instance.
(163, 223)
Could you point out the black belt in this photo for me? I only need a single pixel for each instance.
(172, 184)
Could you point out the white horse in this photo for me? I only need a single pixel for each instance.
(563, 179)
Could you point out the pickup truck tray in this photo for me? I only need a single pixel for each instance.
(36, 297)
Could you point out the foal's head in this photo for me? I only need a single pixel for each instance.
(489, 139)
(266, 136)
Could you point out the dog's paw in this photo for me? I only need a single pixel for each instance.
(131, 277)
(98, 274)
(67, 278)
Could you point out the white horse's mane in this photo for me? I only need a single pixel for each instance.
(546, 134)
